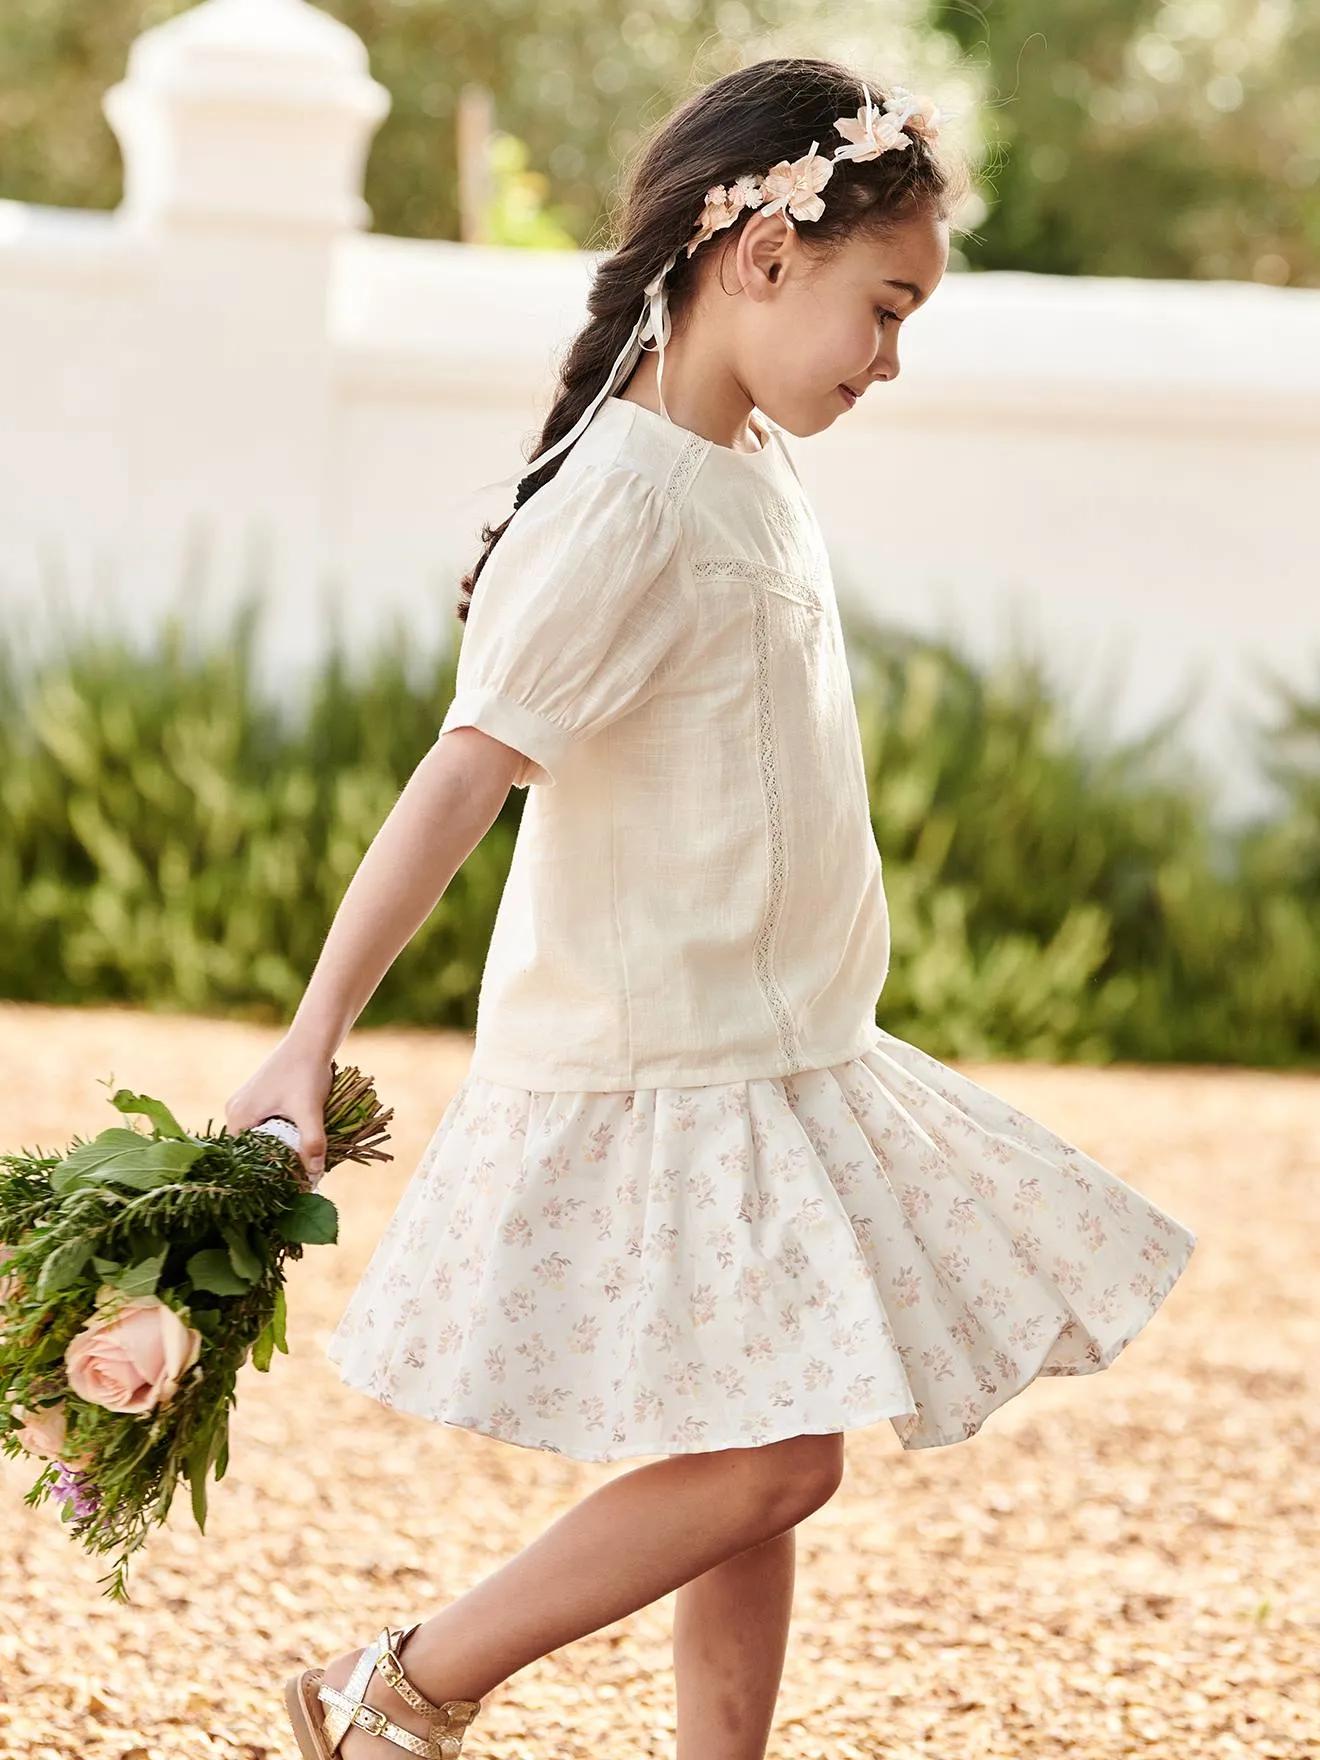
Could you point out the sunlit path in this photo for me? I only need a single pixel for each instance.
(1114, 1566)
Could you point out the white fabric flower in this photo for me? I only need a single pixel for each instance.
(922, 115)
(791, 189)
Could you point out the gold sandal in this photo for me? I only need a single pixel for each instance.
(321, 1715)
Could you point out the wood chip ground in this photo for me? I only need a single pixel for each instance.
(1121, 1564)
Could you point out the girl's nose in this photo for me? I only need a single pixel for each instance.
(885, 364)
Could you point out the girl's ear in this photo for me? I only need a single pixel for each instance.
(764, 248)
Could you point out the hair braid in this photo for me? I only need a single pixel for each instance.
(613, 305)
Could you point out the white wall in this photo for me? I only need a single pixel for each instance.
(227, 362)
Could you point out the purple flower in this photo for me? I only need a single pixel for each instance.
(71, 1486)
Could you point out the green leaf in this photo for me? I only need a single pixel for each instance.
(211, 1270)
(141, 1279)
(245, 1262)
(195, 1465)
(156, 1110)
(272, 1336)
(206, 1320)
(63, 1267)
(124, 1157)
(278, 1319)
(263, 1348)
(106, 1268)
(311, 1218)
(143, 1243)
(222, 1453)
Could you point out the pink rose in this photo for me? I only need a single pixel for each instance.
(133, 1357)
(43, 1431)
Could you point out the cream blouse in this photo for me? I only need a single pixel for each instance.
(695, 891)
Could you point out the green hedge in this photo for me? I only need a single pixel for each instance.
(1057, 896)
(172, 836)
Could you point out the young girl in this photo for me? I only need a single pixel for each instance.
(690, 1201)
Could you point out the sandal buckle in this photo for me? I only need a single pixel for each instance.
(368, 1718)
(389, 1665)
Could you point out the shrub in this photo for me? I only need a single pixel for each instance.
(173, 836)
(168, 837)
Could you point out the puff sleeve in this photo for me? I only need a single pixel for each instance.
(576, 610)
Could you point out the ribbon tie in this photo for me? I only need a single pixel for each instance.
(652, 330)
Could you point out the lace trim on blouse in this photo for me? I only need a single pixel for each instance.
(760, 574)
(763, 947)
(801, 590)
(685, 467)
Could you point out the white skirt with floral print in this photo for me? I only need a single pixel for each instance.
(670, 1270)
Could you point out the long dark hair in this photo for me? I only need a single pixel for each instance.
(738, 126)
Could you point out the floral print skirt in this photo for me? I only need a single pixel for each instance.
(670, 1270)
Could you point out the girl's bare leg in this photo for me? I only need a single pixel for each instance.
(730, 1636)
(625, 1545)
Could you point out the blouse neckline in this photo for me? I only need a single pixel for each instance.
(760, 456)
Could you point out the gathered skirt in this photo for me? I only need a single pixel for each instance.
(672, 1270)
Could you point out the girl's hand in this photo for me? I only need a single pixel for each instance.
(292, 1083)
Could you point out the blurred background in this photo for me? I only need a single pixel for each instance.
(282, 293)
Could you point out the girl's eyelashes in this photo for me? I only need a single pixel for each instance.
(882, 313)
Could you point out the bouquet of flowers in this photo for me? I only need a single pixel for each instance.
(138, 1272)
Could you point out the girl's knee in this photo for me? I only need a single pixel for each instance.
(813, 1470)
(783, 1482)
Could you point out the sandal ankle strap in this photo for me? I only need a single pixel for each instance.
(444, 1738)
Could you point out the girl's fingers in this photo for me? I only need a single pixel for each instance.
(284, 1094)
(312, 1148)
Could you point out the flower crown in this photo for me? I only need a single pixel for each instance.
(793, 189)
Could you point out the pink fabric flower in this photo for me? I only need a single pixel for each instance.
(721, 209)
(133, 1357)
(791, 189)
(43, 1430)
(723, 206)
(870, 133)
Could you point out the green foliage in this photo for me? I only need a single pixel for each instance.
(575, 80)
(123, 1157)
(1128, 137)
(163, 1121)
(168, 837)
(1148, 137)
(204, 1225)
(518, 214)
(1057, 896)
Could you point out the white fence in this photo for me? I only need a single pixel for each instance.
(228, 368)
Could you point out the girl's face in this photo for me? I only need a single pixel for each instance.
(815, 331)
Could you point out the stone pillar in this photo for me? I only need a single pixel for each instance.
(245, 126)
(247, 110)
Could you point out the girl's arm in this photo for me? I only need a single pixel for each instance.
(447, 806)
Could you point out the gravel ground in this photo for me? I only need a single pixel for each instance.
(1121, 1564)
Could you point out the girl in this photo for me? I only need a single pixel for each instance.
(690, 1201)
